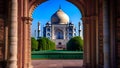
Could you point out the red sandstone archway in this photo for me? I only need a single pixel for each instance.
(16, 15)
(90, 23)
(81, 4)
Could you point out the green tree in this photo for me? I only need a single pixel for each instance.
(45, 44)
(42, 44)
(34, 44)
(52, 45)
(75, 44)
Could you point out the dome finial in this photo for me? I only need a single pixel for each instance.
(59, 6)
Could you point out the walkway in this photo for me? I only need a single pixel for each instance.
(57, 63)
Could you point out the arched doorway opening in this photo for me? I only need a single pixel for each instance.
(70, 25)
(90, 22)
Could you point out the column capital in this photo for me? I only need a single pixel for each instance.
(93, 17)
(85, 20)
(27, 19)
(89, 17)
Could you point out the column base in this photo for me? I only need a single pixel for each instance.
(30, 66)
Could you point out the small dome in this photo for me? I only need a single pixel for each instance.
(48, 23)
(59, 18)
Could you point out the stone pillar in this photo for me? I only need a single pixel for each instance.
(86, 32)
(6, 42)
(12, 61)
(25, 43)
(94, 40)
(29, 42)
(106, 35)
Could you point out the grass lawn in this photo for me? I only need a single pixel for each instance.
(57, 54)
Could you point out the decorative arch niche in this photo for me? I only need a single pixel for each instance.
(90, 23)
(80, 4)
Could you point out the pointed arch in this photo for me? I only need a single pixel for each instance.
(33, 4)
(80, 4)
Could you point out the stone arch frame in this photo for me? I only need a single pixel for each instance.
(81, 4)
(25, 8)
(33, 4)
(91, 19)
(89, 54)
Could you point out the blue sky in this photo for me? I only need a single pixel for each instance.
(44, 11)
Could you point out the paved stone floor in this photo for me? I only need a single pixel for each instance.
(57, 63)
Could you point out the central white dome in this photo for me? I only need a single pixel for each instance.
(59, 18)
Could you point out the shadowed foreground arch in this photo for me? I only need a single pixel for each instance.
(16, 22)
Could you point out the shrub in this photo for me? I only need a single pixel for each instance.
(75, 44)
(34, 44)
(45, 44)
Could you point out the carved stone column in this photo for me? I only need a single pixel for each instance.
(90, 25)
(27, 42)
(12, 61)
(86, 37)
(6, 41)
(106, 35)
(94, 40)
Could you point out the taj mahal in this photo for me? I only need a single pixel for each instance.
(60, 30)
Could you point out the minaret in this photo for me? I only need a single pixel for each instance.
(79, 30)
(38, 29)
(35, 33)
